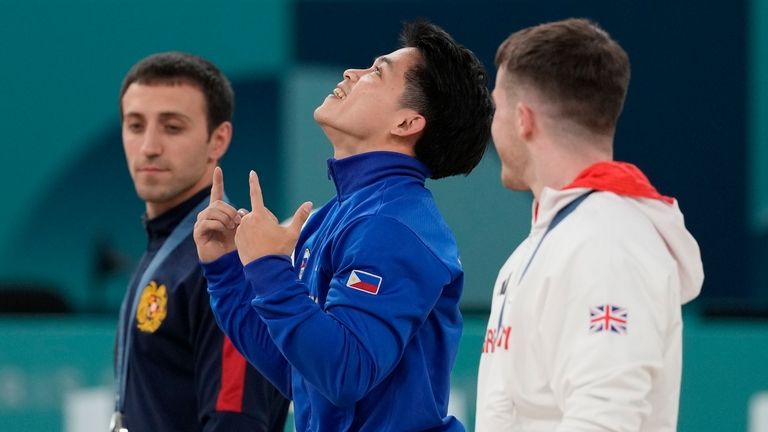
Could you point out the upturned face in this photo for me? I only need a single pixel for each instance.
(366, 105)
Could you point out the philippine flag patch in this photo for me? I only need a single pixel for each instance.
(364, 281)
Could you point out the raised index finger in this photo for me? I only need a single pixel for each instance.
(217, 189)
(257, 200)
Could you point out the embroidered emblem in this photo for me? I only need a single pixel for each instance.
(152, 308)
(608, 318)
(364, 281)
(304, 263)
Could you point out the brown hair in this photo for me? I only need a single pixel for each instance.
(177, 67)
(575, 65)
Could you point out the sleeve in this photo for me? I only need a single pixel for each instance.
(603, 328)
(231, 394)
(230, 304)
(356, 339)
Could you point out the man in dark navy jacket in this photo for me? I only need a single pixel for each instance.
(175, 370)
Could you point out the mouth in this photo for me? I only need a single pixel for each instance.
(150, 169)
(339, 93)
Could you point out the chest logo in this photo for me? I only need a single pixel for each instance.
(364, 281)
(303, 265)
(152, 308)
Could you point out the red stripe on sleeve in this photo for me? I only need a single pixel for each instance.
(232, 379)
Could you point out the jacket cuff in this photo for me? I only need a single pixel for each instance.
(221, 271)
(270, 274)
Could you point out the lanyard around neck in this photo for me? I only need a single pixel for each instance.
(125, 328)
(561, 214)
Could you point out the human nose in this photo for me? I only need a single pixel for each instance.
(352, 74)
(151, 142)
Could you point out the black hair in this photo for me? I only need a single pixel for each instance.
(448, 87)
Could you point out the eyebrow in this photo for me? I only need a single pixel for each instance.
(383, 59)
(173, 114)
(163, 115)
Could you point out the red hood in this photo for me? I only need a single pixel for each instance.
(620, 178)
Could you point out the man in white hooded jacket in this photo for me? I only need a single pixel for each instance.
(585, 331)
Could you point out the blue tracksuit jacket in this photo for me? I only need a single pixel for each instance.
(362, 331)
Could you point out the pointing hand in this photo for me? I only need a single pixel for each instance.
(215, 228)
(260, 234)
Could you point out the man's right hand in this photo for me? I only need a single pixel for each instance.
(215, 228)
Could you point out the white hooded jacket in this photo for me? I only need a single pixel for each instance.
(589, 337)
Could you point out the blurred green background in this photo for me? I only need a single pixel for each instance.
(696, 120)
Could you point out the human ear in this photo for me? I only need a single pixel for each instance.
(220, 138)
(526, 121)
(409, 125)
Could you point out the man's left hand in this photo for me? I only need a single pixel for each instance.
(260, 234)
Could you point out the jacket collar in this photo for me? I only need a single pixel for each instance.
(621, 178)
(356, 172)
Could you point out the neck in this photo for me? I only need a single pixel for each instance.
(557, 164)
(345, 145)
(157, 208)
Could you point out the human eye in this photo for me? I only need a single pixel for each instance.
(133, 126)
(172, 129)
(377, 70)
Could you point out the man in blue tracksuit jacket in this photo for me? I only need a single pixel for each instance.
(362, 326)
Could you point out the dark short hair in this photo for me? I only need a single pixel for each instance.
(574, 64)
(178, 67)
(448, 87)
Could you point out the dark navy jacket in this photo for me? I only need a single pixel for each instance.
(362, 332)
(183, 374)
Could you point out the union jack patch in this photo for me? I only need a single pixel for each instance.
(608, 318)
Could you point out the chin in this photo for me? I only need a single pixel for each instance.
(318, 115)
(155, 192)
(320, 111)
(513, 184)
(323, 119)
